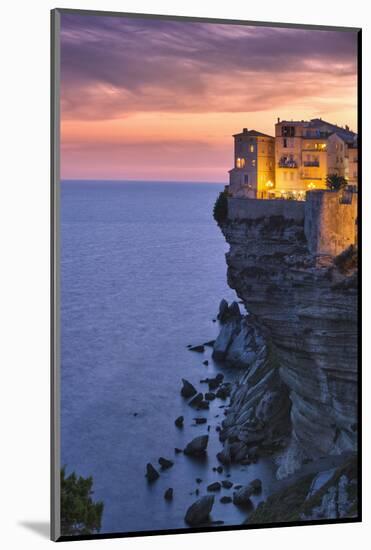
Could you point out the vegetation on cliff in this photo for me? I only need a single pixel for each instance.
(335, 182)
(80, 515)
(220, 211)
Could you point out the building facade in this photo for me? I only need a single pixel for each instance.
(253, 173)
(298, 159)
(305, 155)
(343, 158)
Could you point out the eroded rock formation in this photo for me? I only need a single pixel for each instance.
(299, 345)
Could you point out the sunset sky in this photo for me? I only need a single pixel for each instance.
(150, 99)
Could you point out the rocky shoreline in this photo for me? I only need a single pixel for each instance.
(255, 424)
(294, 399)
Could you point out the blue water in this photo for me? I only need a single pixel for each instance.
(142, 274)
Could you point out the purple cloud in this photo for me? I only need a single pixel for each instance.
(115, 66)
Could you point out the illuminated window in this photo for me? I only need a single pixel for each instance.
(253, 162)
(240, 162)
(251, 148)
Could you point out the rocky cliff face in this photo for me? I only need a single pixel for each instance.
(299, 345)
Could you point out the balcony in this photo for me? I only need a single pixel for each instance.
(286, 163)
(314, 163)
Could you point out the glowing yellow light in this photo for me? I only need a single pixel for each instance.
(269, 184)
(311, 185)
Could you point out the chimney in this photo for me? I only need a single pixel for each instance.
(245, 130)
(347, 127)
(278, 120)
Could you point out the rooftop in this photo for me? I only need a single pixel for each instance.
(345, 133)
(252, 133)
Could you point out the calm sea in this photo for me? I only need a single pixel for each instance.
(142, 274)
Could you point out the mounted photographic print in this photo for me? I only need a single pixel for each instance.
(205, 235)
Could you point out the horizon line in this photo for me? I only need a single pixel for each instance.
(115, 180)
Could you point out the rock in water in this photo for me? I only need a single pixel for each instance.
(224, 340)
(216, 486)
(168, 495)
(200, 420)
(197, 446)
(255, 486)
(227, 484)
(209, 396)
(213, 383)
(165, 463)
(223, 308)
(179, 422)
(224, 391)
(199, 349)
(151, 474)
(209, 343)
(199, 511)
(197, 399)
(188, 389)
(242, 497)
(234, 311)
(225, 455)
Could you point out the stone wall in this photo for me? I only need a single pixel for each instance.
(330, 225)
(252, 209)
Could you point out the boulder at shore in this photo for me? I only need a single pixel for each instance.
(196, 400)
(188, 389)
(179, 421)
(165, 463)
(215, 486)
(168, 495)
(151, 474)
(197, 446)
(199, 349)
(242, 497)
(199, 511)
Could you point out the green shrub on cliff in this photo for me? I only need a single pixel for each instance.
(335, 182)
(220, 211)
(79, 514)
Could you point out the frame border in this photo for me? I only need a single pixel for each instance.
(55, 527)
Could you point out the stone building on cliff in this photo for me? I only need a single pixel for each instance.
(298, 159)
(253, 172)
